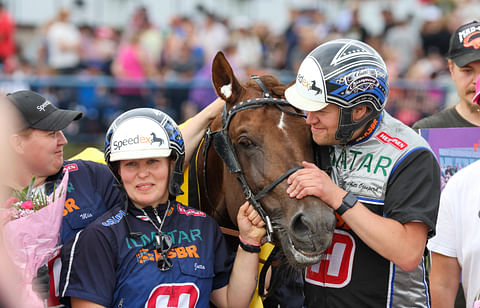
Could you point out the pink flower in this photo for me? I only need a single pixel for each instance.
(27, 205)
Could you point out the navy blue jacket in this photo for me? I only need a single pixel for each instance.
(91, 191)
(105, 265)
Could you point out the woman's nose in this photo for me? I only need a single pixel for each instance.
(143, 171)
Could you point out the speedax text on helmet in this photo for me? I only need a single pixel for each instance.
(118, 144)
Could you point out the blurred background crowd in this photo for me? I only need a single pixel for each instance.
(105, 69)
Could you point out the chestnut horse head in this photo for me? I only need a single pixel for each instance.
(248, 153)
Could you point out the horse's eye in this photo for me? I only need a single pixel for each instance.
(245, 142)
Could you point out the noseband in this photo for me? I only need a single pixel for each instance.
(224, 148)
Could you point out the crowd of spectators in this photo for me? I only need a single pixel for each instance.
(169, 67)
(447, 172)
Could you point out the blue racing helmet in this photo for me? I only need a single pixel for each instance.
(346, 73)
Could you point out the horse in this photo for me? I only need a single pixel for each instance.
(248, 152)
(156, 139)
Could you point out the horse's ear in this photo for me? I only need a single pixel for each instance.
(224, 81)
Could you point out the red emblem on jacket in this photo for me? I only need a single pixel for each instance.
(396, 142)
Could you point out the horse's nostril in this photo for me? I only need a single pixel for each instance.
(301, 225)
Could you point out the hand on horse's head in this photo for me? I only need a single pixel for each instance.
(312, 181)
(250, 224)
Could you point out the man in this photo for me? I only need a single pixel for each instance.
(464, 65)
(63, 42)
(455, 247)
(37, 146)
(453, 251)
(384, 185)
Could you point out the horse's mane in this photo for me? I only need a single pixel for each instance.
(272, 83)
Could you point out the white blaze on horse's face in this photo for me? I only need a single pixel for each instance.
(227, 90)
(281, 124)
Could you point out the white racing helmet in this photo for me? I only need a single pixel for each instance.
(146, 133)
(346, 73)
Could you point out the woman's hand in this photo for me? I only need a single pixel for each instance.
(250, 224)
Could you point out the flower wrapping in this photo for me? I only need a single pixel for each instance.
(31, 240)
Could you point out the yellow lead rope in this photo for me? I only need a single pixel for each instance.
(265, 252)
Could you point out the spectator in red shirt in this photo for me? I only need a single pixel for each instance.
(7, 34)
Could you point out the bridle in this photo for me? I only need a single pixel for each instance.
(224, 148)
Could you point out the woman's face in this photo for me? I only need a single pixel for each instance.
(146, 180)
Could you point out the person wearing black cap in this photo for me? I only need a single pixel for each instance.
(40, 129)
(464, 65)
(37, 147)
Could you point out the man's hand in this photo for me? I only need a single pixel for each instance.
(312, 181)
(41, 283)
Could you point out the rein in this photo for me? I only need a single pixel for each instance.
(224, 148)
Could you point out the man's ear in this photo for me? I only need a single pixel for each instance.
(359, 112)
(450, 65)
(16, 143)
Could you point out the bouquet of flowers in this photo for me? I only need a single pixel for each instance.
(31, 237)
(27, 201)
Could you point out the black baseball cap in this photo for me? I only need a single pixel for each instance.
(465, 44)
(40, 113)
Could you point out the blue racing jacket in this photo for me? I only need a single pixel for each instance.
(106, 265)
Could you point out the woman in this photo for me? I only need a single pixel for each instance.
(153, 251)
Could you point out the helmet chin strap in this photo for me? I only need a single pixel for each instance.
(175, 178)
(347, 126)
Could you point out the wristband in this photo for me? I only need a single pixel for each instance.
(247, 242)
(249, 247)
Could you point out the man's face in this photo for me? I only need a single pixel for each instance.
(323, 124)
(465, 78)
(42, 151)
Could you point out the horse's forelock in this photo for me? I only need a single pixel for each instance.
(272, 83)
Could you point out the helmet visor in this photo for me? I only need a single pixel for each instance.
(308, 93)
